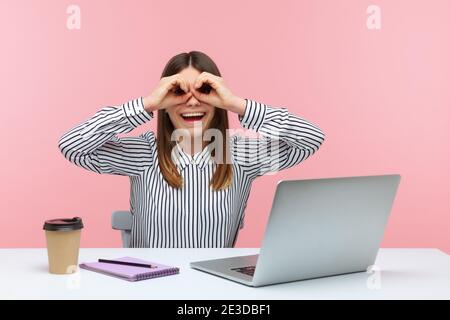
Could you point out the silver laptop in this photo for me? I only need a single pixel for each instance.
(316, 228)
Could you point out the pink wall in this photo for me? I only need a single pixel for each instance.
(381, 96)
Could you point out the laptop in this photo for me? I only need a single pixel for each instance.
(316, 228)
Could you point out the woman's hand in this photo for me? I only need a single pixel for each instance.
(211, 89)
(168, 93)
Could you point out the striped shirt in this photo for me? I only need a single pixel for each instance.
(195, 215)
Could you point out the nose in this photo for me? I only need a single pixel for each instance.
(192, 102)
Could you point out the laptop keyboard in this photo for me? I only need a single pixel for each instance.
(250, 270)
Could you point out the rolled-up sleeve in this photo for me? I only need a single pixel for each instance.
(285, 139)
(95, 146)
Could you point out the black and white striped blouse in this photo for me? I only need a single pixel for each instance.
(194, 215)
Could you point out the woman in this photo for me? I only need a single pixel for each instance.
(185, 192)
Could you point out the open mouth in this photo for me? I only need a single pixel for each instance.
(192, 116)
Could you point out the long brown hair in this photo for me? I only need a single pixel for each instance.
(223, 174)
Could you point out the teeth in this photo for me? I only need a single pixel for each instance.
(193, 114)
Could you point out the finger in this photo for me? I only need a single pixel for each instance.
(202, 78)
(194, 92)
(178, 87)
(200, 95)
(172, 83)
(183, 84)
(187, 96)
(207, 79)
(197, 95)
(198, 82)
(177, 100)
(175, 81)
(184, 98)
(205, 88)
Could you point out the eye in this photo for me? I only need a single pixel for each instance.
(205, 88)
(178, 91)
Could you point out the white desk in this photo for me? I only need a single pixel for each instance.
(404, 274)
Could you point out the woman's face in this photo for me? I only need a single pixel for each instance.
(193, 113)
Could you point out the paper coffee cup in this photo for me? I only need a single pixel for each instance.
(63, 244)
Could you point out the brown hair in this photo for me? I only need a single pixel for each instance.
(223, 173)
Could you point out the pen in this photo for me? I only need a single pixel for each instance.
(134, 264)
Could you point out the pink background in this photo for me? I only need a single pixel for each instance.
(381, 96)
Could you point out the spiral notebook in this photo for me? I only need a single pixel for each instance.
(130, 273)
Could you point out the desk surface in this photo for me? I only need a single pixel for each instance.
(403, 274)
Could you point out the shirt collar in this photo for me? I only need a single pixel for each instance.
(202, 158)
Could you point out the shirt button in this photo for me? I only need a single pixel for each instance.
(193, 161)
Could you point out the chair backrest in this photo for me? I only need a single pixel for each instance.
(122, 220)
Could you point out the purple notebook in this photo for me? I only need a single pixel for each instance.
(130, 273)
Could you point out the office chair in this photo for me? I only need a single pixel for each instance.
(122, 220)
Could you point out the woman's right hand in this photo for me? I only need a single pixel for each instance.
(167, 93)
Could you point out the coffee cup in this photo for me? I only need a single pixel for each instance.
(63, 244)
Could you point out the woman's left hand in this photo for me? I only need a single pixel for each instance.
(220, 96)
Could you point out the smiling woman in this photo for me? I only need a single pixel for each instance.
(191, 200)
(193, 74)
